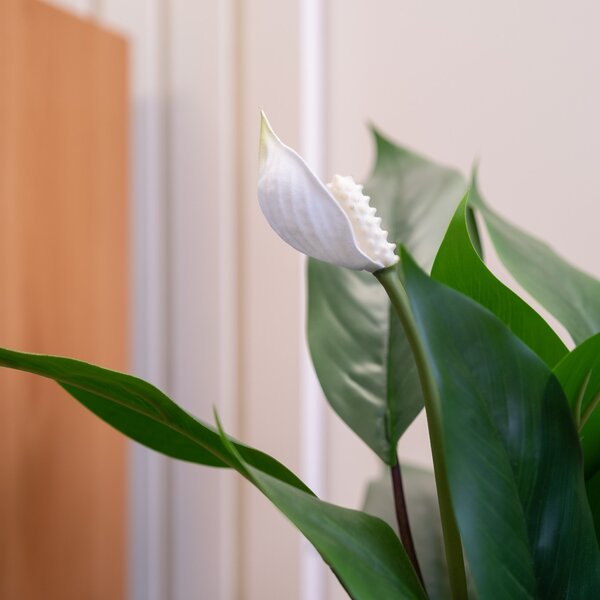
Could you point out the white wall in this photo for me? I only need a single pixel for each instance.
(218, 298)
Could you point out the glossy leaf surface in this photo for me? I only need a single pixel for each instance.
(357, 344)
(571, 295)
(362, 550)
(513, 457)
(459, 266)
(142, 412)
(579, 375)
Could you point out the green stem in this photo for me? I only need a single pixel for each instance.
(579, 401)
(587, 413)
(452, 543)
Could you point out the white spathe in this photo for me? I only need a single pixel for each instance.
(334, 224)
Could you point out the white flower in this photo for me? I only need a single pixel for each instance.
(334, 224)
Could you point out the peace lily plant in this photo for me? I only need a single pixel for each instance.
(512, 509)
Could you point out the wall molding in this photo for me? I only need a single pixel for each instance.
(313, 147)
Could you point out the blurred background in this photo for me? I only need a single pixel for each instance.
(130, 235)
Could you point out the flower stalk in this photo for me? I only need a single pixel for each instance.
(402, 519)
(452, 542)
(336, 224)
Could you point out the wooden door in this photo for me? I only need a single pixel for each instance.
(63, 290)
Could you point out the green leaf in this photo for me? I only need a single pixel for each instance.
(593, 493)
(358, 347)
(424, 517)
(512, 452)
(571, 295)
(579, 375)
(363, 551)
(142, 412)
(459, 266)
(426, 527)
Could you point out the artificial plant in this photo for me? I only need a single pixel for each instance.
(510, 509)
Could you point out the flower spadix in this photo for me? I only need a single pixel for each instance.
(332, 223)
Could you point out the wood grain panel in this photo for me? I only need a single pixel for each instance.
(63, 290)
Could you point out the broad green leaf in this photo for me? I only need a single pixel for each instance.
(459, 266)
(357, 344)
(355, 340)
(363, 551)
(593, 493)
(142, 412)
(571, 295)
(513, 458)
(424, 516)
(579, 375)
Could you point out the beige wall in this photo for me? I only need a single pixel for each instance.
(515, 83)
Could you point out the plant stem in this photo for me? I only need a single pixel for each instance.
(452, 543)
(579, 400)
(402, 518)
(591, 407)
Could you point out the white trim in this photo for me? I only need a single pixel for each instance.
(149, 564)
(313, 434)
(227, 74)
(312, 83)
(202, 255)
